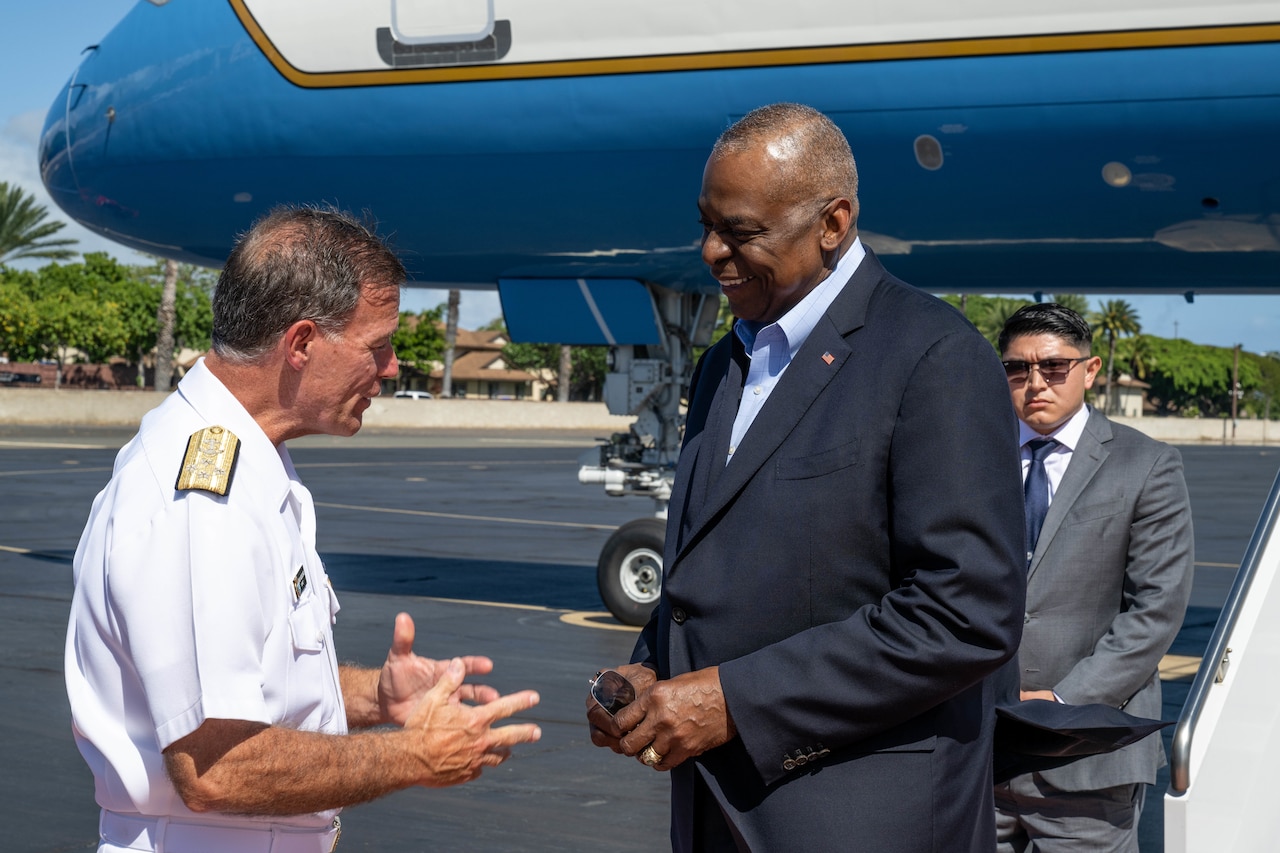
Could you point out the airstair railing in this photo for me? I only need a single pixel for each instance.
(1213, 668)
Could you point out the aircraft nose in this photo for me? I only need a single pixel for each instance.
(56, 169)
(76, 142)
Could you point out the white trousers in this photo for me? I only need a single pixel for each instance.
(120, 833)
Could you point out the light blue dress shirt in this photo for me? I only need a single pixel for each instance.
(771, 347)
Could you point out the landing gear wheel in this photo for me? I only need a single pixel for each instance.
(629, 573)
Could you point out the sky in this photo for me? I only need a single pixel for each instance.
(40, 46)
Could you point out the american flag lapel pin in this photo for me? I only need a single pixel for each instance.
(828, 357)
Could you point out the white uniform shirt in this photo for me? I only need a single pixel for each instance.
(185, 606)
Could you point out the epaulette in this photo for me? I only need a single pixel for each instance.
(210, 461)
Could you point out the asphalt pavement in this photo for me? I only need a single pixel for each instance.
(489, 542)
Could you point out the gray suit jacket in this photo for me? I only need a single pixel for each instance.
(1107, 590)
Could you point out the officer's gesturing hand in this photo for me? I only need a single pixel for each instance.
(405, 677)
(459, 740)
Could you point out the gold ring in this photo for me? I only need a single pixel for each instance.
(650, 756)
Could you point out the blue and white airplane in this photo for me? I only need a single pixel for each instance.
(554, 150)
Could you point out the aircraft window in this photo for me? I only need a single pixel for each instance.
(441, 21)
(1117, 174)
(928, 152)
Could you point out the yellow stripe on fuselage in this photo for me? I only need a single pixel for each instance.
(932, 49)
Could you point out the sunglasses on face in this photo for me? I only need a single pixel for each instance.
(611, 691)
(1052, 370)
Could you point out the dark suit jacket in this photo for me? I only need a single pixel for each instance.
(1107, 590)
(856, 572)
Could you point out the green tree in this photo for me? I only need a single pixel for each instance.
(68, 321)
(17, 321)
(987, 313)
(1193, 379)
(588, 366)
(419, 341)
(189, 318)
(98, 309)
(1264, 400)
(1115, 319)
(1135, 356)
(24, 233)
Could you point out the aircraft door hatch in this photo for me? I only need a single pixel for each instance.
(434, 33)
(441, 21)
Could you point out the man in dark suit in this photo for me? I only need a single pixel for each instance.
(1109, 562)
(843, 562)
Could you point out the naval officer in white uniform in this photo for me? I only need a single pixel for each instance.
(205, 691)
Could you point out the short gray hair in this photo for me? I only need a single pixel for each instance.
(819, 164)
(297, 263)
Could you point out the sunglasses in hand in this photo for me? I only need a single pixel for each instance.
(612, 691)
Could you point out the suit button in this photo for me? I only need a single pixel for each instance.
(678, 615)
(788, 765)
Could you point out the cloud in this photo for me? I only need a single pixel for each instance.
(18, 141)
(19, 164)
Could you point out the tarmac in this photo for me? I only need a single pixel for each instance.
(489, 542)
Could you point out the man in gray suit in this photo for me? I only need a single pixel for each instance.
(1109, 562)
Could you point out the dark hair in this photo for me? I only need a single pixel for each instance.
(297, 263)
(822, 164)
(1048, 318)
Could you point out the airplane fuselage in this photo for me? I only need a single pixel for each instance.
(1003, 147)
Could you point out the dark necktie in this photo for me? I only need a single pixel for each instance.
(1036, 491)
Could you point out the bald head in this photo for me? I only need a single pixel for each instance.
(812, 157)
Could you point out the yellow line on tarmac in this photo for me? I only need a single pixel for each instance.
(435, 463)
(462, 517)
(588, 619)
(494, 604)
(16, 550)
(66, 469)
(579, 618)
(56, 445)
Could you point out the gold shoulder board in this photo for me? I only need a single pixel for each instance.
(210, 461)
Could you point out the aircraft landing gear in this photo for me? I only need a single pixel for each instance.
(629, 572)
(648, 382)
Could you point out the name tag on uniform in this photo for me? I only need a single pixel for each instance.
(299, 583)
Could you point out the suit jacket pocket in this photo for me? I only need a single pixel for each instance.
(896, 740)
(817, 464)
(1081, 514)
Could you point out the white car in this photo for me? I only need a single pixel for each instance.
(414, 395)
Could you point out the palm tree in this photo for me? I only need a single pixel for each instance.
(1077, 302)
(1141, 359)
(993, 312)
(23, 231)
(1116, 319)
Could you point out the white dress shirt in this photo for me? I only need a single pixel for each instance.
(1055, 464)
